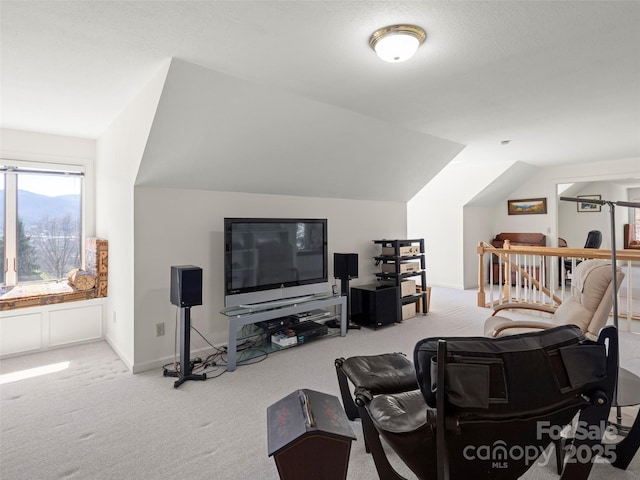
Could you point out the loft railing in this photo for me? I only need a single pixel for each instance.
(522, 274)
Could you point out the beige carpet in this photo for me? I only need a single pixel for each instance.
(93, 419)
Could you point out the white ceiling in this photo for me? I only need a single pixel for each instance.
(217, 132)
(559, 79)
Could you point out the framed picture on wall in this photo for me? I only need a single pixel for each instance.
(527, 206)
(589, 207)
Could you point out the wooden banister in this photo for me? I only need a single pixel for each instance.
(508, 251)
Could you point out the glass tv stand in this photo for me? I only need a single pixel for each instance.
(242, 320)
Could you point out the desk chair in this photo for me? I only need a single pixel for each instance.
(594, 240)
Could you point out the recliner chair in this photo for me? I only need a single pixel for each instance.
(488, 408)
(588, 306)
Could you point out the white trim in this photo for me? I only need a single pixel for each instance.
(42, 165)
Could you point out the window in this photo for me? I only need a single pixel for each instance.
(41, 229)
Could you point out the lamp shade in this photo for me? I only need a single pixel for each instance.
(397, 43)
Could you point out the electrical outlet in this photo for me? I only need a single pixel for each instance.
(159, 329)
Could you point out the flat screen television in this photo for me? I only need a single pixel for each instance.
(274, 259)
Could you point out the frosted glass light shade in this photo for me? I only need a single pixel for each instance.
(397, 48)
(397, 43)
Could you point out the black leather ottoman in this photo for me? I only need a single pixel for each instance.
(377, 374)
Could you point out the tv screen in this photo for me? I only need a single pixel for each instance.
(274, 258)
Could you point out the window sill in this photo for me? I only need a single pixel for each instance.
(38, 294)
(49, 293)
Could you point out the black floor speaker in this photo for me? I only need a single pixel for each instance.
(186, 285)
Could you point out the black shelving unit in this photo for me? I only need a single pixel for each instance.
(393, 260)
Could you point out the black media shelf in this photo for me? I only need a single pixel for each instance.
(393, 260)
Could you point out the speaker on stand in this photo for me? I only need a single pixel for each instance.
(186, 292)
(345, 267)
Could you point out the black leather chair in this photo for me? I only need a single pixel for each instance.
(594, 240)
(489, 408)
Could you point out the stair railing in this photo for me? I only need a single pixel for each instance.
(528, 274)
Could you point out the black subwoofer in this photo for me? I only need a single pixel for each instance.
(374, 305)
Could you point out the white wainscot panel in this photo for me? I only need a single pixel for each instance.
(76, 324)
(20, 333)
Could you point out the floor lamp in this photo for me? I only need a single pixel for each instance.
(628, 384)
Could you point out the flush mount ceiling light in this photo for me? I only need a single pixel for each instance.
(397, 43)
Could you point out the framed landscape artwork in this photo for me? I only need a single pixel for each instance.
(589, 207)
(527, 206)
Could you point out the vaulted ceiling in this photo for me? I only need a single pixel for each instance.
(559, 80)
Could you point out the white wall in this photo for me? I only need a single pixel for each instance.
(452, 231)
(538, 185)
(119, 151)
(574, 226)
(477, 227)
(436, 214)
(544, 184)
(178, 227)
(45, 148)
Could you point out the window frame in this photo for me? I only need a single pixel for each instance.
(11, 210)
